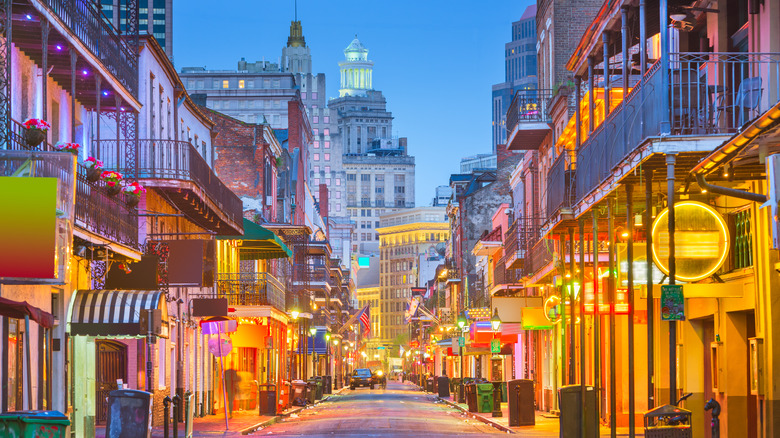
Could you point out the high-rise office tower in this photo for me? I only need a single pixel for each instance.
(155, 17)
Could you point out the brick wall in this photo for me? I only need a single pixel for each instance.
(242, 159)
(299, 137)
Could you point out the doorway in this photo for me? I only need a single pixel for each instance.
(111, 365)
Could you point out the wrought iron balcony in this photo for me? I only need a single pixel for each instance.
(107, 216)
(541, 256)
(710, 95)
(84, 19)
(528, 119)
(160, 162)
(560, 185)
(251, 289)
(503, 276)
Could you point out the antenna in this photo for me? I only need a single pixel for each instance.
(296, 10)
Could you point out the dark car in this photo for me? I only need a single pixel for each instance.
(361, 377)
(379, 378)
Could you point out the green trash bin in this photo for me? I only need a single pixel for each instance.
(484, 397)
(311, 392)
(32, 424)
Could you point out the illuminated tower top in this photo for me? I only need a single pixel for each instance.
(357, 72)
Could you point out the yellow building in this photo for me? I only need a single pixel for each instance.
(411, 244)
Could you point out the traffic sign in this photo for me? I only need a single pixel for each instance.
(495, 346)
(461, 341)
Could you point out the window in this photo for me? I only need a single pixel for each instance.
(327, 168)
(225, 83)
(316, 157)
(351, 177)
(316, 144)
(338, 195)
(338, 181)
(314, 95)
(240, 83)
(327, 118)
(316, 132)
(327, 157)
(315, 119)
(327, 144)
(365, 177)
(303, 95)
(326, 131)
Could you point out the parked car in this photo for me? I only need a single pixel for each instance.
(361, 377)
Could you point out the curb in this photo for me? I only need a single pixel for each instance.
(276, 419)
(476, 416)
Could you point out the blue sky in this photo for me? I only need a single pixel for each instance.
(435, 61)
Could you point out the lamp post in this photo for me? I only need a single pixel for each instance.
(294, 359)
(313, 332)
(327, 358)
(461, 325)
(495, 324)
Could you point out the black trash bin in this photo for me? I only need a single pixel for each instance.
(320, 386)
(266, 399)
(129, 414)
(521, 403)
(328, 385)
(570, 405)
(668, 421)
(470, 390)
(300, 393)
(443, 386)
(435, 385)
(429, 384)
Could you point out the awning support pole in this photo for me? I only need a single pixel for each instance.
(29, 362)
(222, 367)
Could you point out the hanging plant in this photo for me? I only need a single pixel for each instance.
(94, 168)
(112, 179)
(278, 162)
(133, 193)
(35, 131)
(62, 146)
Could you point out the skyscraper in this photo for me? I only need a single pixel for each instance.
(155, 17)
(519, 71)
(379, 171)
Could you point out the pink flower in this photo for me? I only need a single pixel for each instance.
(93, 162)
(134, 189)
(37, 124)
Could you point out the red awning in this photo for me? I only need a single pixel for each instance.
(18, 310)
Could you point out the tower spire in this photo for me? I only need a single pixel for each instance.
(296, 10)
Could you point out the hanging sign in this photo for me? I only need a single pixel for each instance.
(672, 303)
(701, 241)
(495, 346)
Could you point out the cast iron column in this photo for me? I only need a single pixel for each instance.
(611, 300)
(670, 162)
(648, 220)
(630, 299)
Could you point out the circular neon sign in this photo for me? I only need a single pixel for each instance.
(701, 241)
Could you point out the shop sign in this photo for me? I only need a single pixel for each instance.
(672, 303)
(701, 241)
(495, 346)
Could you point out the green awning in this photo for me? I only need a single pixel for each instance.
(259, 243)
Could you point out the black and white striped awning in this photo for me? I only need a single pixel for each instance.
(113, 312)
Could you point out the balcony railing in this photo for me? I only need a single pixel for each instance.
(560, 184)
(710, 94)
(541, 256)
(90, 26)
(251, 289)
(528, 106)
(107, 216)
(97, 212)
(174, 160)
(502, 275)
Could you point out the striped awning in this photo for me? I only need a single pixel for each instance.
(113, 312)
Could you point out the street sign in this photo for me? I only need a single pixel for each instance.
(495, 346)
(461, 341)
(672, 303)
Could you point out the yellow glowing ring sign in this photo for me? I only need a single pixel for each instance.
(701, 240)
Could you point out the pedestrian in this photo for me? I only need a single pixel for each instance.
(233, 386)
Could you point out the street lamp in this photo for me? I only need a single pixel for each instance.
(461, 325)
(313, 331)
(461, 321)
(495, 321)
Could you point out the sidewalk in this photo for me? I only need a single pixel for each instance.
(243, 422)
(547, 425)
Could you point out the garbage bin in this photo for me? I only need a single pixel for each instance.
(435, 384)
(429, 384)
(284, 396)
(300, 393)
(266, 399)
(570, 405)
(443, 386)
(668, 421)
(129, 413)
(320, 387)
(470, 391)
(521, 403)
(31, 424)
(328, 385)
(311, 392)
(484, 397)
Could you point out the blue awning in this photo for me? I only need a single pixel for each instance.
(320, 346)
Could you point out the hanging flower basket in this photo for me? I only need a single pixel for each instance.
(73, 148)
(112, 179)
(35, 131)
(94, 168)
(133, 193)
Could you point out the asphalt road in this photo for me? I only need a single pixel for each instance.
(400, 410)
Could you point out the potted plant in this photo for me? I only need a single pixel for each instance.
(73, 148)
(133, 192)
(112, 179)
(94, 168)
(35, 131)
